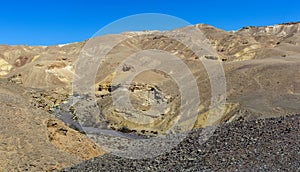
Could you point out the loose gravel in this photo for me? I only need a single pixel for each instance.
(264, 145)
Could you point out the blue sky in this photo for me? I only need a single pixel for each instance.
(53, 22)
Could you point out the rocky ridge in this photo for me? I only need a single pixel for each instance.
(261, 66)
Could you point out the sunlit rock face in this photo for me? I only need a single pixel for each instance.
(33, 139)
(261, 66)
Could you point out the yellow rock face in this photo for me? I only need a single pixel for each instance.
(5, 68)
(216, 115)
(247, 53)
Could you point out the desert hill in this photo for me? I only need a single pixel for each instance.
(261, 66)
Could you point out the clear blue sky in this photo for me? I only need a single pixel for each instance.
(51, 22)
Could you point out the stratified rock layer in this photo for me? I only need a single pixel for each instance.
(261, 66)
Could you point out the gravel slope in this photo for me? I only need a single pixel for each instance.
(263, 145)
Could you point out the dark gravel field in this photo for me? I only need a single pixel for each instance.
(263, 145)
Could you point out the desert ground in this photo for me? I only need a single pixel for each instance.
(41, 129)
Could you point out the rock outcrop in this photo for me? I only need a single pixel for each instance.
(261, 66)
(34, 140)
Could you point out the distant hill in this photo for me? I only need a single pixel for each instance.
(261, 64)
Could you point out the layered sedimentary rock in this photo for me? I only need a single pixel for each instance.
(261, 66)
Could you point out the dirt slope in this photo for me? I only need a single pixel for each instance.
(261, 64)
(33, 140)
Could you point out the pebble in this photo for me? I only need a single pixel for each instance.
(261, 145)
